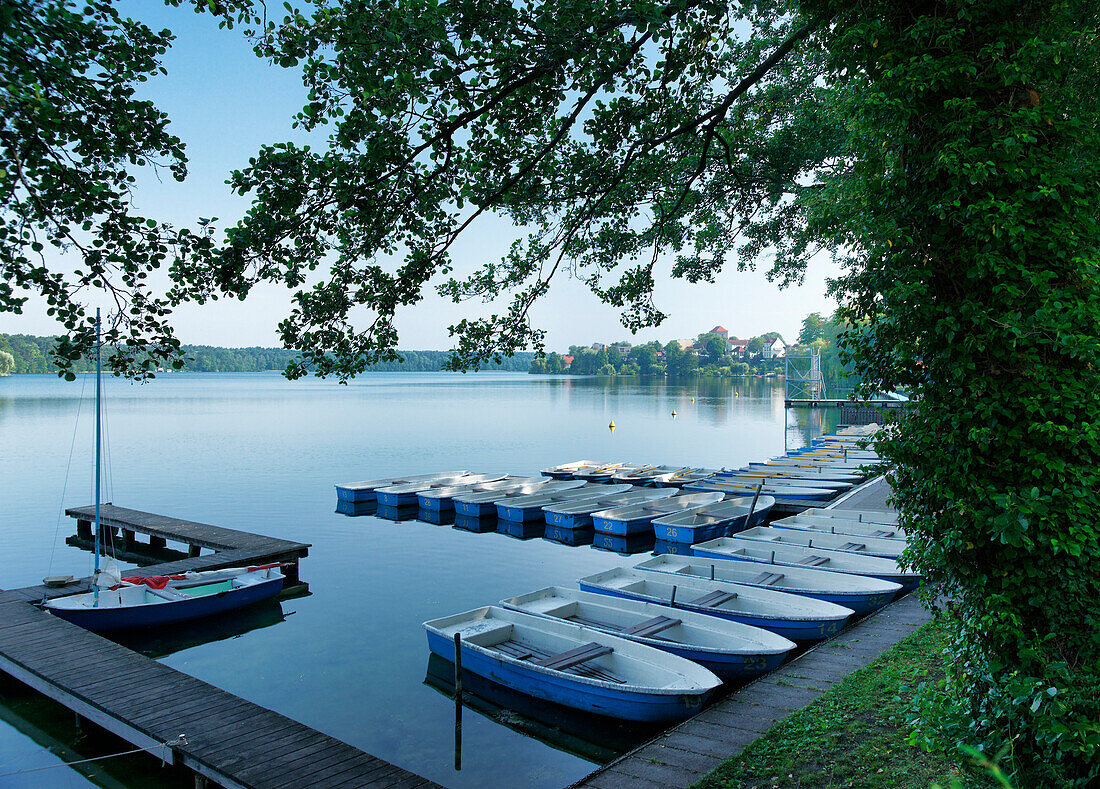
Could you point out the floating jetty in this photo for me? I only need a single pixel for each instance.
(175, 717)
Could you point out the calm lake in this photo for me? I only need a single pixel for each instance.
(257, 453)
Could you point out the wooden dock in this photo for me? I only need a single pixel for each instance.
(179, 719)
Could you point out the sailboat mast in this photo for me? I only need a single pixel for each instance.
(98, 447)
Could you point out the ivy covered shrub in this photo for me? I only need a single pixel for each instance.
(974, 222)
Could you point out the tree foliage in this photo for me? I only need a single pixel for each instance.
(972, 217)
(614, 132)
(72, 136)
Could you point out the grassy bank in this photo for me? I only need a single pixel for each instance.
(854, 735)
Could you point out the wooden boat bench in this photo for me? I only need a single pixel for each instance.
(573, 657)
(882, 533)
(766, 579)
(713, 599)
(853, 546)
(651, 627)
(814, 561)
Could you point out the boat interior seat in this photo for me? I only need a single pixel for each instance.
(767, 579)
(814, 561)
(712, 599)
(651, 627)
(853, 546)
(573, 657)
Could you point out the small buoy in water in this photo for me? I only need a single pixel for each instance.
(736, 394)
(673, 413)
(693, 399)
(611, 426)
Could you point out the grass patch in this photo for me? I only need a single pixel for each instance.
(855, 734)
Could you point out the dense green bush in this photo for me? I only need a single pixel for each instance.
(977, 286)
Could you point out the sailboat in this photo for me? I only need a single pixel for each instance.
(117, 603)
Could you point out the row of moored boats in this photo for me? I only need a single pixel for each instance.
(652, 642)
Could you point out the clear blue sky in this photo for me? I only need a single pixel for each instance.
(225, 103)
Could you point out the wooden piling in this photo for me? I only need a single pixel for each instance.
(458, 701)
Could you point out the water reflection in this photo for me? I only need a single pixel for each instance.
(438, 517)
(406, 513)
(156, 642)
(591, 737)
(475, 524)
(522, 530)
(635, 543)
(570, 536)
(356, 508)
(675, 548)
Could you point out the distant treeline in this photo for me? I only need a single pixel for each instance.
(31, 354)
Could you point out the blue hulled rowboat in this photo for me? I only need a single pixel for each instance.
(606, 472)
(567, 470)
(814, 558)
(861, 516)
(194, 596)
(860, 593)
(575, 666)
(848, 543)
(778, 491)
(806, 473)
(853, 527)
(442, 499)
(364, 491)
(638, 518)
(685, 477)
(731, 650)
(578, 514)
(527, 508)
(789, 615)
(711, 520)
(768, 480)
(406, 494)
(481, 504)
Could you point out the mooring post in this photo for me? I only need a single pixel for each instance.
(128, 539)
(83, 529)
(458, 701)
(193, 550)
(752, 507)
(157, 542)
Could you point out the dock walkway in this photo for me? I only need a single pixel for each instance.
(182, 720)
(684, 754)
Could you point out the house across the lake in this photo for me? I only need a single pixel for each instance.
(775, 349)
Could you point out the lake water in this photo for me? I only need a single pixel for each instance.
(257, 453)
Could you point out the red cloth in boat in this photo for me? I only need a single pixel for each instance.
(154, 581)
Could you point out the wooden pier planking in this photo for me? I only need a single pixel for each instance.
(230, 741)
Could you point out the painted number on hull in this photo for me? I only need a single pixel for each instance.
(755, 663)
(828, 628)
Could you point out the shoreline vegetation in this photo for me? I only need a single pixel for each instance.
(31, 354)
(709, 355)
(714, 353)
